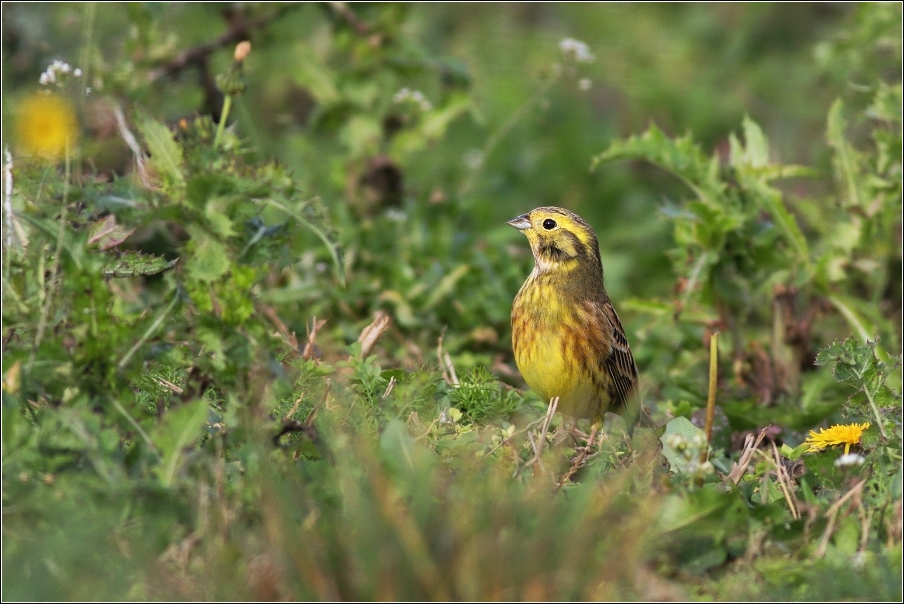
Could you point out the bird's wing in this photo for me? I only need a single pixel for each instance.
(621, 368)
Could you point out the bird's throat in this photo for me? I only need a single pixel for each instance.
(550, 259)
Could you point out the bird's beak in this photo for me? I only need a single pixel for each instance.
(521, 223)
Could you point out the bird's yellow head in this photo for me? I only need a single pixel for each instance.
(559, 239)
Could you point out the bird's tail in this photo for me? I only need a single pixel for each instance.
(634, 414)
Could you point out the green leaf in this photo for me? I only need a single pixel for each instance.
(166, 159)
(896, 488)
(787, 224)
(399, 449)
(446, 286)
(857, 365)
(887, 103)
(52, 230)
(311, 73)
(847, 166)
(701, 559)
(361, 134)
(849, 359)
(649, 306)
(755, 151)
(795, 453)
(106, 233)
(331, 245)
(432, 125)
(857, 322)
(209, 259)
(680, 156)
(216, 210)
(682, 444)
(138, 264)
(180, 428)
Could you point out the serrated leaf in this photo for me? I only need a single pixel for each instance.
(166, 154)
(886, 398)
(680, 156)
(138, 264)
(849, 356)
(217, 212)
(754, 153)
(857, 365)
(771, 200)
(887, 103)
(209, 258)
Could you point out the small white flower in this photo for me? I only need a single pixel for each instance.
(675, 441)
(56, 72)
(416, 97)
(401, 95)
(577, 50)
(584, 84)
(850, 459)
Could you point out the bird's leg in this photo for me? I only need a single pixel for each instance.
(579, 458)
(568, 429)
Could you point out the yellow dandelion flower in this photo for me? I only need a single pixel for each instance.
(45, 125)
(836, 435)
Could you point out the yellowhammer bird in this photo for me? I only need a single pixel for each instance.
(567, 339)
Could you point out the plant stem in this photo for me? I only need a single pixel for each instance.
(45, 305)
(711, 399)
(330, 245)
(8, 214)
(144, 435)
(8, 198)
(224, 116)
(505, 128)
(872, 404)
(147, 334)
(87, 43)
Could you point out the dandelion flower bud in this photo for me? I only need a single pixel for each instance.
(241, 50)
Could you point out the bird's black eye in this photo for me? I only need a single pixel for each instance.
(549, 224)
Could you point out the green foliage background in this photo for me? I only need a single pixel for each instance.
(177, 423)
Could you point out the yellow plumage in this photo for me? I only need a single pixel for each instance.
(567, 339)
